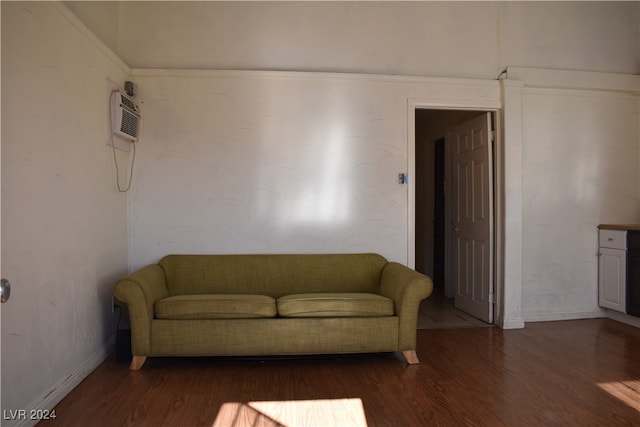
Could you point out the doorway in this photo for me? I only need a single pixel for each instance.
(436, 243)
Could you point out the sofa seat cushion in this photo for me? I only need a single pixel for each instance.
(335, 305)
(215, 306)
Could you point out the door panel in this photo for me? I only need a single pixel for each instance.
(472, 216)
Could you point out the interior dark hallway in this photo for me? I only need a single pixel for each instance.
(437, 311)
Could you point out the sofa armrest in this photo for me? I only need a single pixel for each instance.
(406, 287)
(140, 290)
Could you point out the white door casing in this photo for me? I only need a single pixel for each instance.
(504, 98)
(472, 233)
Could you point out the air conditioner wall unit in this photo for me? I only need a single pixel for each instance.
(125, 116)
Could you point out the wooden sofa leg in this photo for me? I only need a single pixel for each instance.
(137, 362)
(411, 356)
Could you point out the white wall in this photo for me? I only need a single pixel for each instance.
(579, 169)
(244, 164)
(64, 225)
(573, 35)
(274, 162)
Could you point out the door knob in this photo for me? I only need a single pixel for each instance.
(455, 229)
(5, 290)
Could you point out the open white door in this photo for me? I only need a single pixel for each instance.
(471, 218)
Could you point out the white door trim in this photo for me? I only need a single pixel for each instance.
(505, 99)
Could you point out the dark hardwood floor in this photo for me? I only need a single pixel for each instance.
(571, 373)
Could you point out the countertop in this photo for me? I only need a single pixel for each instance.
(634, 227)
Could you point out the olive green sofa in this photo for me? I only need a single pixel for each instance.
(260, 305)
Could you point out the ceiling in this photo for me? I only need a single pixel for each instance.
(422, 38)
(371, 37)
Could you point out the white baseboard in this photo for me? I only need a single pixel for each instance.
(575, 314)
(512, 323)
(623, 318)
(578, 314)
(58, 391)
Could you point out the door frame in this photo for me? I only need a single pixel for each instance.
(504, 99)
(449, 286)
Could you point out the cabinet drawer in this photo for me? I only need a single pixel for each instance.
(615, 239)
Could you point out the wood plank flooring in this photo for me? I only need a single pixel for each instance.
(571, 373)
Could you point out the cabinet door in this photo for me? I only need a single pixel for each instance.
(611, 278)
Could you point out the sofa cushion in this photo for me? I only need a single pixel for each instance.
(274, 275)
(215, 306)
(335, 305)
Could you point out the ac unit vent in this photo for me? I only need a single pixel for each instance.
(125, 116)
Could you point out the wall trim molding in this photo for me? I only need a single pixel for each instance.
(515, 323)
(574, 79)
(580, 92)
(509, 209)
(312, 75)
(572, 314)
(622, 317)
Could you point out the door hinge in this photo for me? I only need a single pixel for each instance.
(491, 299)
(492, 135)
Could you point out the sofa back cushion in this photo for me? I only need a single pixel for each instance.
(274, 274)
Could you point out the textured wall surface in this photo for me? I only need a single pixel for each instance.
(580, 169)
(268, 162)
(64, 225)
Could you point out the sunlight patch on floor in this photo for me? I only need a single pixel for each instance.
(293, 413)
(625, 391)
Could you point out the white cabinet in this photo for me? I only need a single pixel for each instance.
(612, 269)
